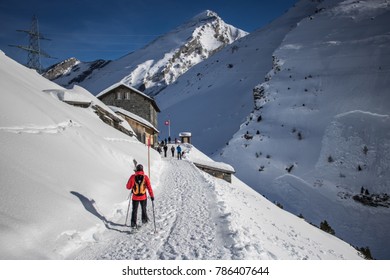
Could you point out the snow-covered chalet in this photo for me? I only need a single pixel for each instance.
(139, 110)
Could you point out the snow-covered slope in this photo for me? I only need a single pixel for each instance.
(51, 151)
(319, 134)
(221, 87)
(159, 63)
(62, 184)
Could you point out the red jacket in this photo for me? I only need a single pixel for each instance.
(130, 184)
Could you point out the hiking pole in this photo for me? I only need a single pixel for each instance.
(154, 218)
(128, 209)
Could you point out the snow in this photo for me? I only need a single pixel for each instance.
(162, 61)
(325, 114)
(196, 156)
(200, 217)
(49, 149)
(188, 134)
(63, 176)
(324, 70)
(76, 94)
(133, 116)
(103, 92)
(222, 86)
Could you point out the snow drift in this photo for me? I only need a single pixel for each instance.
(50, 150)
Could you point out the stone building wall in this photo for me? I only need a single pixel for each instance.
(133, 102)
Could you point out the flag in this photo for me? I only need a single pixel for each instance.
(167, 122)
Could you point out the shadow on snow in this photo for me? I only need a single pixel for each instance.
(89, 205)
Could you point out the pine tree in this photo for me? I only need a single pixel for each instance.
(327, 228)
(366, 252)
(365, 150)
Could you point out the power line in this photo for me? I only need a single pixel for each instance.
(33, 49)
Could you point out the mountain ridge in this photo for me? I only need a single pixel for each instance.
(157, 64)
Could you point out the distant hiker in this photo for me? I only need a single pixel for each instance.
(165, 150)
(173, 151)
(138, 183)
(178, 149)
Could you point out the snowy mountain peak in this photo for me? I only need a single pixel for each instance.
(162, 61)
(206, 15)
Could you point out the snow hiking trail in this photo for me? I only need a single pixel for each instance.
(189, 225)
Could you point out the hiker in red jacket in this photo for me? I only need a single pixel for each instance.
(139, 183)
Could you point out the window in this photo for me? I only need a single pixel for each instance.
(119, 95)
(128, 95)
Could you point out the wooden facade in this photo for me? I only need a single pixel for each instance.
(111, 119)
(142, 128)
(185, 137)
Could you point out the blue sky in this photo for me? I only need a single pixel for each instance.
(93, 29)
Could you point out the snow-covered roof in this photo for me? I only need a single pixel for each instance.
(185, 134)
(79, 95)
(116, 85)
(133, 116)
(200, 159)
(68, 95)
(219, 166)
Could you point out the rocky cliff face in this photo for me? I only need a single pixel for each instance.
(60, 69)
(210, 35)
(72, 71)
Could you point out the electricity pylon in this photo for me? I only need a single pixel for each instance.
(33, 49)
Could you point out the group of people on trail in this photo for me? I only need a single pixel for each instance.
(178, 151)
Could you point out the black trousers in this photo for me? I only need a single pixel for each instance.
(135, 211)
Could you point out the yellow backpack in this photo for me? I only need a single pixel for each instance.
(139, 188)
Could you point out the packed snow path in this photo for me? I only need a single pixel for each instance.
(187, 221)
(200, 217)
